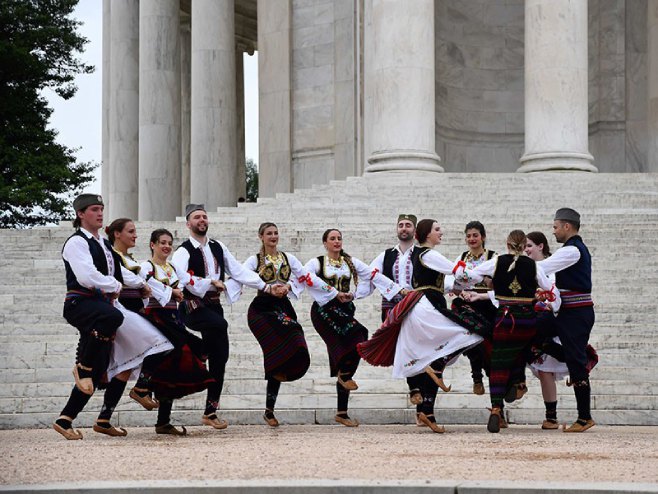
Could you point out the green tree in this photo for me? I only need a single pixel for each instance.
(38, 47)
(252, 180)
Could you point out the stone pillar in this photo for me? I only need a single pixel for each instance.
(403, 134)
(159, 110)
(105, 124)
(213, 119)
(185, 76)
(556, 107)
(240, 167)
(652, 85)
(274, 97)
(124, 109)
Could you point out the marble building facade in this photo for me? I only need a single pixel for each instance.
(348, 87)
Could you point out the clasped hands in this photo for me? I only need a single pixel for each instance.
(343, 297)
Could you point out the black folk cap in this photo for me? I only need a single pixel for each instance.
(567, 214)
(86, 200)
(190, 208)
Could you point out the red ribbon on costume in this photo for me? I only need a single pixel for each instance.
(191, 273)
(547, 295)
(306, 279)
(505, 313)
(374, 272)
(460, 263)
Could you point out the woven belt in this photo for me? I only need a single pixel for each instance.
(572, 300)
(515, 300)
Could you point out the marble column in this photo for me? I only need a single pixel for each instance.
(159, 110)
(240, 167)
(124, 109)
(105, 102)
(556, 106)
(213, 119)
(274, 97)
(652, 85)
(185, 75)
(403, 103)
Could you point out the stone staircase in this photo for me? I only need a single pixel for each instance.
(620, 225)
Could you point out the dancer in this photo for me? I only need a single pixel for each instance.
(93, 281)
(546, 368)
(572, 265)
(420, 336)
(516, 279)
(395, 263)
(272, 318)
(202, 263)
(477, 253)
(184, 371)
(333, 312)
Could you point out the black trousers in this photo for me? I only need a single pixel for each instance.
(209, 321)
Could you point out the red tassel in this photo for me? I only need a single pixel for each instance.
(374, 273)
(460, 263)
(306, 279)
(191, 273)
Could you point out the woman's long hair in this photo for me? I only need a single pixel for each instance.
(515, 243)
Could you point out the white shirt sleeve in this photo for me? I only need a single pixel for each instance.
(376, 264)
(194, 284)
(130, 279)
(322, 293)
(76, 253)
(238, 272)
(233, 286)
(449, 281)
(159, 291)
(385, 285)
(562, 259)
(438, 262)
(317, 287)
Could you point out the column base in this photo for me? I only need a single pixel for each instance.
(402, 160)
(559, 162)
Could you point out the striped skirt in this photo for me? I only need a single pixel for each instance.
(340, 331)
(273, 321)
(183, 371)
(514, 329)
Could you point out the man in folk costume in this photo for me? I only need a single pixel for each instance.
(572, 265)
(202, 264)
(90, 290)
(395, 263)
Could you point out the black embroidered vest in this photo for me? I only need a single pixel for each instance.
(520, 282)
(269, 272)
(341, 284)
(100, 262)
(577, 278)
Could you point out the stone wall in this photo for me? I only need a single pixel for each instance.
(479, 84)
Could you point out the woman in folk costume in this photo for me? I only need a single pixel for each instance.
(477, 253)
(184, 371)
(333, 312)
(516, 279)
(421, 336)
(153, 377)
(272, 318)
(546, 368)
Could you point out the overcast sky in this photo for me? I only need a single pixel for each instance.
(78, 120)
